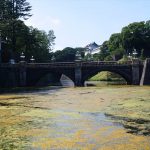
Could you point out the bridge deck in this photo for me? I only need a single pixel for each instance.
(67, 64)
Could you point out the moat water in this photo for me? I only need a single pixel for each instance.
(62, 118)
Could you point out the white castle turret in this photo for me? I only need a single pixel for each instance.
(92, 48)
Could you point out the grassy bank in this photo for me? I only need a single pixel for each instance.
(106, 76)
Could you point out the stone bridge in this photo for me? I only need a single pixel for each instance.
(28, 74)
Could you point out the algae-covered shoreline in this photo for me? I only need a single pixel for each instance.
(73, 118)
(133, 110)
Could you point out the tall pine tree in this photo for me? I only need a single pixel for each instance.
(10, 13)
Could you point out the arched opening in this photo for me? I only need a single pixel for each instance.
(49, 79)
(106, 78)
(53, 79)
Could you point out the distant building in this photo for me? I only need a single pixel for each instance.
(92, 48)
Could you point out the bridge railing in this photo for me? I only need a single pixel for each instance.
(52, 64)
(70, 64)
(107, 63)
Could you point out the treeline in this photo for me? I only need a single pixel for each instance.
(134, 36)
(67, 54)
(17, 37)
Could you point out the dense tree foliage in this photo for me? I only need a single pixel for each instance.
(137, 35)
(68, 54)
(10, 12)
(115, 46)
(134, 36)
(20, 38)
(32, 42)
(38, 45)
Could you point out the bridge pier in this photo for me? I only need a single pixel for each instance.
(12, 78)
(78, 73)
(135, 72)
(22, 74)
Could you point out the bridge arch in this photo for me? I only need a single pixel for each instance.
(125, 75)
(35, 75)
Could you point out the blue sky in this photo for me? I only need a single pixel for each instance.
(77, 23)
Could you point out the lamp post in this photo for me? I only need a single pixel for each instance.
(129, 56)
(78, 56)
(134, 53)
(53, 58)
(32, 59)
(22, 57)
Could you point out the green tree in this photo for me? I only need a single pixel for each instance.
(31, 41)
(136, 35)
(37, 44)
(146, 35)
(115, 46)
(68, 54)
(51, 38)
(21, 35)
(14, 9)
(104, 51)
(11, 11)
